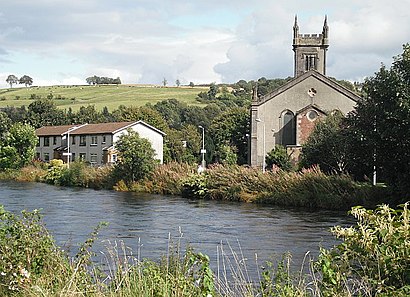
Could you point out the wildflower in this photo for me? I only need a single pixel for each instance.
(24, 273)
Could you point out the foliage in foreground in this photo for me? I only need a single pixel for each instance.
(372, 260)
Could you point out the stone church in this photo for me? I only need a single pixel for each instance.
(287, 115)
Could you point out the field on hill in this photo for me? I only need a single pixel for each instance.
(102, 95)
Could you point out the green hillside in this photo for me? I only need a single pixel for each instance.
(102, 95)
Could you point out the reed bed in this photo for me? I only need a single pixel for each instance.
(309, 188)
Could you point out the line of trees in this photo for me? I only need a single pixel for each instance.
(375, 135)
(13, 80)
(101, 80)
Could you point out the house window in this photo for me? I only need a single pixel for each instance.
(94, 140)
(73, 157)
(82, 156)
(83, 140)
(46, 141)
(37, 155)
(73, 140)
(54, 140)
(93, 159)
(114, 158)
(103, 139)
(38, 142)
(46, 157)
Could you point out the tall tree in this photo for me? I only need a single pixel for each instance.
(171, 110)
(382, 121)
(230, 129)
(12, 80)
(327, 146)
(44, 112)
(26, 80)
(5, 124)
(18, 148)
(136, 157)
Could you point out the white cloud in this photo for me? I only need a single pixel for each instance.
(226, 40)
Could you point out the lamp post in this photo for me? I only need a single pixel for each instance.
(264, 143)
(68, 149)
(68, 154)
(203, 151)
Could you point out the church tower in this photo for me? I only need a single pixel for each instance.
(310, 50)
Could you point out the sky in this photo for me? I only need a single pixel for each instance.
(144, 41)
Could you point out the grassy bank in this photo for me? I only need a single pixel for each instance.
(103, 95)
(309, 188)
(372, 260)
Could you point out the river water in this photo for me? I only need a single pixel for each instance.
(145, 222)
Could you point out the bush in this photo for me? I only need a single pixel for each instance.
(79, 174)
(167, 179)
(278, 157)
(27, 252)
(55, 172)
(374, 258)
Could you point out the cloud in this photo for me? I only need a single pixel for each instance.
(361, 37)
(143, 41)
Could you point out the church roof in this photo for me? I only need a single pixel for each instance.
(312, 73)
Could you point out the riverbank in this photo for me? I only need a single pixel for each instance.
(308, 188)
(32, 265)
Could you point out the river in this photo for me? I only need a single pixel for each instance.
(145, 222)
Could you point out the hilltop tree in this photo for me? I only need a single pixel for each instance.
(213, 90)
(191, 84)
(178, 83)
(26, 80)
(97, 80)
(164, 82)
(12, 80)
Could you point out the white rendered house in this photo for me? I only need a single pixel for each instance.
(93, 143)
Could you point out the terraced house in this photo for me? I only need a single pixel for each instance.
(93, 143)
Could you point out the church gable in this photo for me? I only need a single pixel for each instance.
(311, 88)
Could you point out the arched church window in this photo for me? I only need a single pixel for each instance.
(288, 128)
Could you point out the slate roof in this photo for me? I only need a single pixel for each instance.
(53, 130)
(87, 129)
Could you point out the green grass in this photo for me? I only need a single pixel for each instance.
(100, 96)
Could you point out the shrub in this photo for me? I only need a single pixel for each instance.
(80, 174)
(167, 178)
(374, 258)
(27, 252)
(55, 172)
(278, 157)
